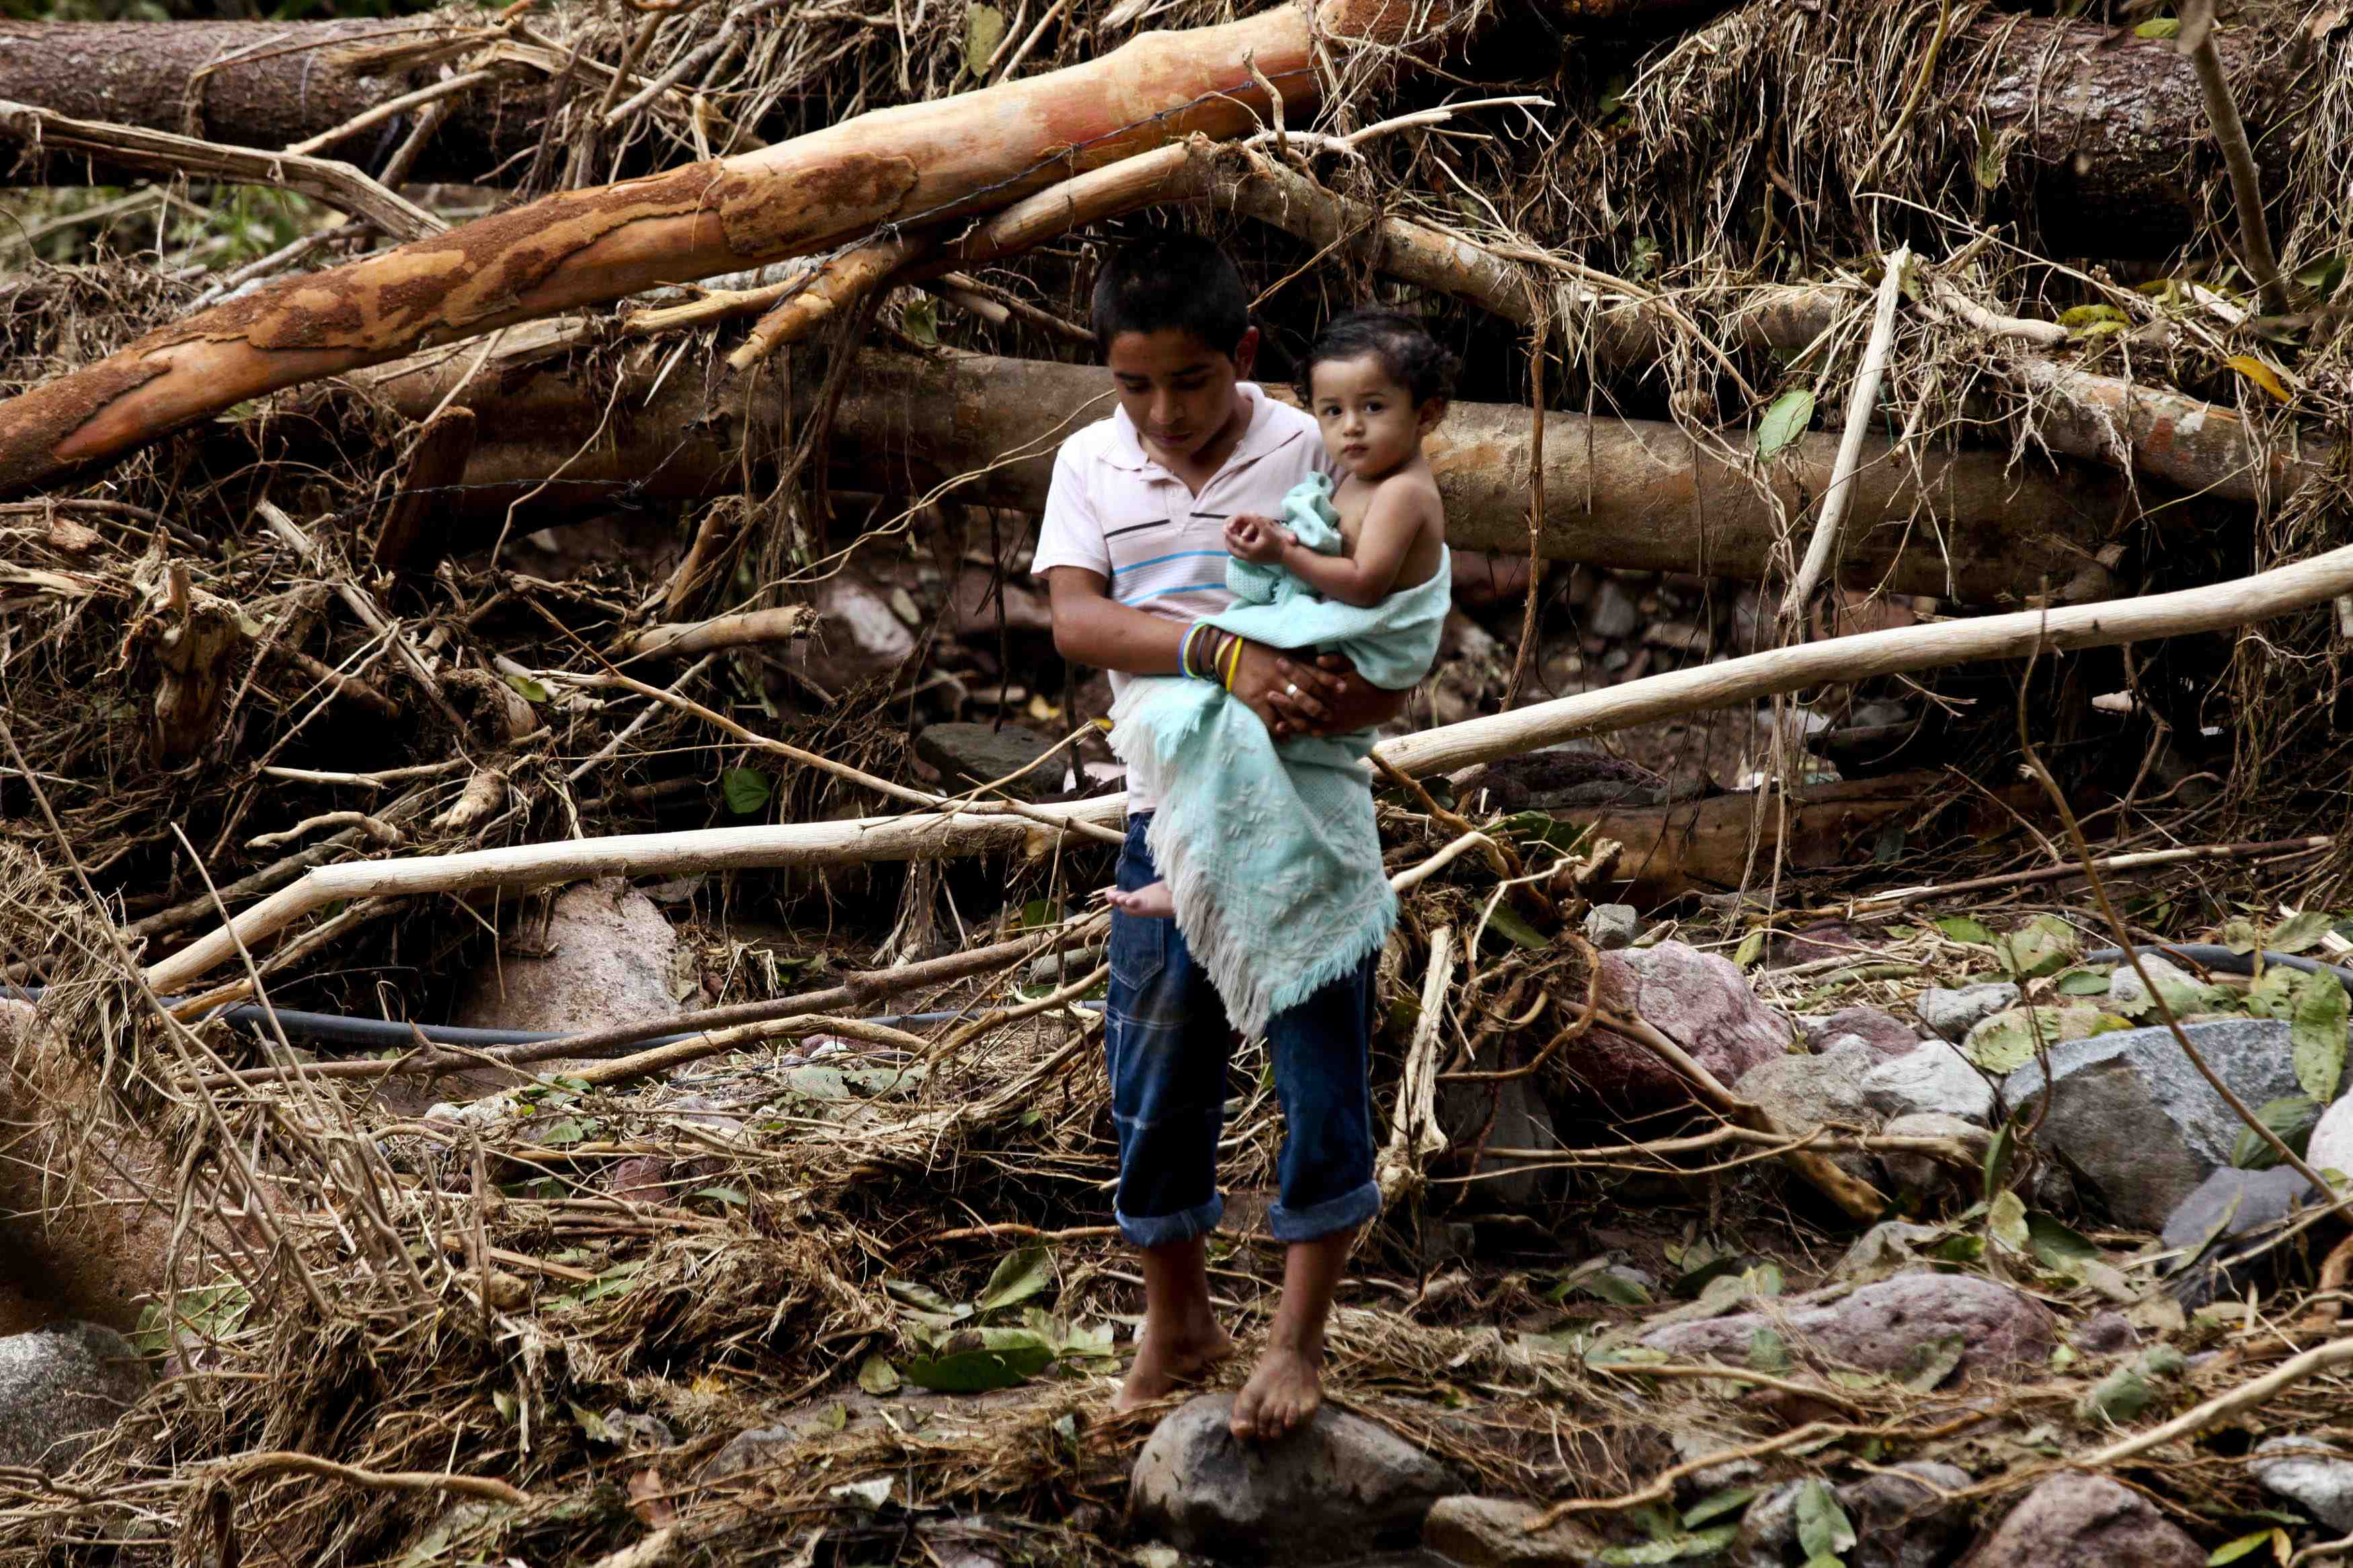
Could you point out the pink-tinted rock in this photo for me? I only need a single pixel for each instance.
(1886, 1034)
(1696, 999)
(1887, 1327)
(604, 955)
(2085, 1521)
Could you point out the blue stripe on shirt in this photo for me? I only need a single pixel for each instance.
(1179, 588)
(1160, 559)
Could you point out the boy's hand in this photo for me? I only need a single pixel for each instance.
(1258, 540)
(1325, 698)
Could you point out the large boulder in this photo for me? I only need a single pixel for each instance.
(2085, 1521)
(2134, 1120)
(966, 755)
(1889, 1327)
(1803, 1093)
(1932, 1079)
(1338, 1487)
(1696, 999)
(60, 1389)
(605, 956)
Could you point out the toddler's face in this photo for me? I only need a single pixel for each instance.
(1370, 424)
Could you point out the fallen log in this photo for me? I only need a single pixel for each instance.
(931, 835)
(919, 163)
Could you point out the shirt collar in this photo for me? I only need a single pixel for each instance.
(1263, 434)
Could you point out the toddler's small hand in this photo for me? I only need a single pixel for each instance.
(1258, 540)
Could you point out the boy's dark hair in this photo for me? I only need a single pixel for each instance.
(1174, 279)
(1410, 354)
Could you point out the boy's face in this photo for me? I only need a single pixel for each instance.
(1178, 389)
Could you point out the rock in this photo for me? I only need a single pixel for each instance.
(1484, 579)
(1489, 1532)
(1902, 1516)
(1063, 968)
(1932, 1079)
(1613, 613)
(1950, 1015)
(61, 1388)
(2105, 1334)
(1884, 1032)
(2137, 1122)
(1768, 1530)
(2227, 1205)
(1339, 1487)
(1801, 1093)
(605, 956)
(1501, 1114)
(978, 594)
(1571, 776)
(969, 754)
(2310, 1473)
(1696, 999)
(1612, 926)
(860, 638)
(2331, 1145)
(1921, 1174)
(2085, 1521)
(1882, 1327)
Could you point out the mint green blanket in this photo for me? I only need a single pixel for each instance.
(1270, 849)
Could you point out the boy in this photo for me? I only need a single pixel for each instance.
(1133, 550)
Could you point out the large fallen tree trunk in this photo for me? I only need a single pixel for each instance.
(919, 163)
(268, 85)
(2218, 607)
(1622, 493)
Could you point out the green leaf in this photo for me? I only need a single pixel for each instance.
(2159, 28)
(2317, 1033)
(2231, 1551)
(1507, 921)
(1785, 420)
(1674, 1549)
(1751, 949)
(1615, 1288)
(2090, 315)
(1823, 1528)
(2006, 1222)
(2322, 276)
(563, 1132)
(835, 1417)
(877, 1376)
(917, 1294)
(2043, 945)
(530, 691)
(2273, 996)
(1543, 827)
(2299, 931)
(1998, 1153)
(2239, 935)
(984, 31)
(1993, 152)
(2117, 1397)
(2292, 1119)
(1716, 1505)
(974, 1361)
(1933, 1361)
(921, 320)
(729, 1196)
(1767, 1351)
(2082, 982)
(746, 790)
(2059, 1245)
(1960, 927)
(1019, 1275)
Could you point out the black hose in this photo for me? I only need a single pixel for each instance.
(2213, 955)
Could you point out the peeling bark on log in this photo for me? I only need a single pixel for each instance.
(256, 84)
(1622, 493)
(920, 162)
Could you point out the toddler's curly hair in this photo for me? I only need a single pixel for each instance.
(1409, 353)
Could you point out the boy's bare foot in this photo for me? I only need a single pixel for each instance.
(1153, 902)
(1169, 1356)
(1284, 1390)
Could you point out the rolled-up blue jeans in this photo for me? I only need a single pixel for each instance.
(1168, 1043)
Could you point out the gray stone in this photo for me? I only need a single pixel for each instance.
(859, 638)
(1802, 1092)
(2138, 1122)
(969, 754)
(1696, 999)
(1612, 926)
(1614, 613)
(1490, 1533)
(2306, 1471)
(2227, 1205)
(1768, 1530)
(1063, 968)
(1922, 1175)
(605, 956)
(2331, 1146)
(2085, 1521)
(1950, 1015)
(1504, 1113)
(1881, 1327)
(1932, 1077)
(1338, 1487)
(61, 1388)
(1884, 1032)
(1903, 1517)
(2105, 1334)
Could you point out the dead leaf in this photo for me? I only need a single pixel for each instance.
(649, 1500)
(2261, 375)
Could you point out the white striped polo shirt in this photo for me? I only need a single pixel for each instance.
(1114, 509)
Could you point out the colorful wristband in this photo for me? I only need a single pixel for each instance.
(1233, 659)
(1185, 649)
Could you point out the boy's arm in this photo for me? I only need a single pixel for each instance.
(1289, 696)
(1393, 520)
